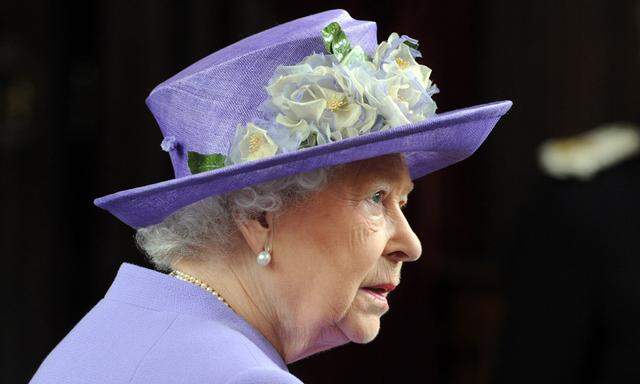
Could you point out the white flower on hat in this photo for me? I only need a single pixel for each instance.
(315, 98)
(252, 143)
(334, 96)
(394, 56)
(399, 88)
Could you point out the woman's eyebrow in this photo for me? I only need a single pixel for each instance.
(393, 181)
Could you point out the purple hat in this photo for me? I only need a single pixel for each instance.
(305, 110)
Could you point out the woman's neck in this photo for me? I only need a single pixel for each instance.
(242, 287)
(243, 295)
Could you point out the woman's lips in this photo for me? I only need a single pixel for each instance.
(387, 287)
(378, 297)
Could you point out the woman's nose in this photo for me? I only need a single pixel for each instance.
(404, 244)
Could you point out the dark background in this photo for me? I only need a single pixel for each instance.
(523, 278)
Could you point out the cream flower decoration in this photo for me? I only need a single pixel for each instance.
(330, 97)
(252, 143)
(401, 89)
(315, 98)
(395, 58)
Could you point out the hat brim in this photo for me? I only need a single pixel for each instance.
(430, 145)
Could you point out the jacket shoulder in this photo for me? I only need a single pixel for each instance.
(105, 345)
(195, 349)
(260, 375)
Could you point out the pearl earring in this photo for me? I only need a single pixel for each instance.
(264, 257)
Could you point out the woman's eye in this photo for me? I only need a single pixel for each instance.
(377, 197)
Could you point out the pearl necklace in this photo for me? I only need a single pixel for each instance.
(187, 277)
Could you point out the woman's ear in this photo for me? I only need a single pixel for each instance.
(255, 230)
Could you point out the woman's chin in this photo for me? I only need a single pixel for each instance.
(361, 328)
(361, 324)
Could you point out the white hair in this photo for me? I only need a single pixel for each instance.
(209, 223)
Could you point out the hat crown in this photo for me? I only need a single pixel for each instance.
(201, 106)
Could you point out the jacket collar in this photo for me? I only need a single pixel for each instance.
(152, 289)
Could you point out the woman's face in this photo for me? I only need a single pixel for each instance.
(351, 235)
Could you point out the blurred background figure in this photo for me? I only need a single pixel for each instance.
(572, 289)
(525, 277)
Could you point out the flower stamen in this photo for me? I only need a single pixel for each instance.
(255, 141)
(335, 103)
(402, 63)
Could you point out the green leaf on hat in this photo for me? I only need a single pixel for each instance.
(199, 162)
(335, 40)
(410, 44)
(310, 141)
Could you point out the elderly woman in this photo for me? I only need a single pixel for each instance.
(283, 232)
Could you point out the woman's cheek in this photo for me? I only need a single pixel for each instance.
(368, 223)
(362, 244)
(374, 219)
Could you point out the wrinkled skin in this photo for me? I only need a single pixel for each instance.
(349, 235)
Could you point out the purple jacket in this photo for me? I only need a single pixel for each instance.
(153, 328)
